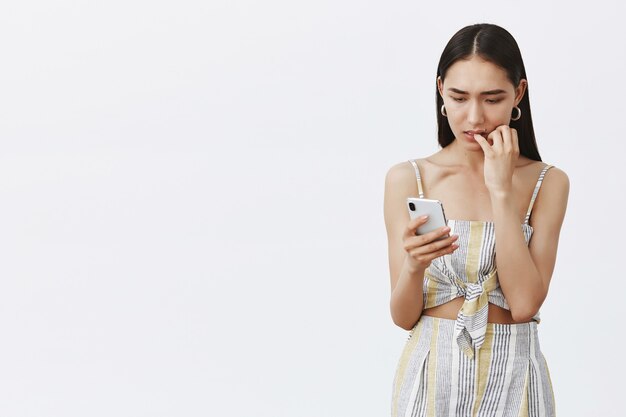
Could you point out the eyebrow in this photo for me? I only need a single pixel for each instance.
(484, 93)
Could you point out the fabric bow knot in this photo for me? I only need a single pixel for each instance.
(471, 322)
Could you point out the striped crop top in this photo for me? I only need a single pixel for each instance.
(470, 272)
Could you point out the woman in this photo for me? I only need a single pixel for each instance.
(473, 349)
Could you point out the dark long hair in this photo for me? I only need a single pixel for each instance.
(494, 44)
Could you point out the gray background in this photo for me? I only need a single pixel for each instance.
(191, 219)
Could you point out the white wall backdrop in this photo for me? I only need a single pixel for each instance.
(191, 218)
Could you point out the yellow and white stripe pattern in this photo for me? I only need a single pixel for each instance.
(470, 272)
(509, 376)
(469, 367)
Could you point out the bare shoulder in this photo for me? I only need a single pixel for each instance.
(400, 183)
(555, 183)
(551, 202)
(401, 180)
(398, 170)
(559, 177)
(554, 178)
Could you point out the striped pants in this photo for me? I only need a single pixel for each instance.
(508, 377)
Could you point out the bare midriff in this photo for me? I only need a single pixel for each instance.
(450, 310)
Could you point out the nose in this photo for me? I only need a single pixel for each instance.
(475, 114)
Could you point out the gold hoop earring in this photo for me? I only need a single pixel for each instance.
(519, 113)
(443, 110)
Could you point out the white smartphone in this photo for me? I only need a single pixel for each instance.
(433, 208)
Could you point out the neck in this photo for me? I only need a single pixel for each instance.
(471, 157)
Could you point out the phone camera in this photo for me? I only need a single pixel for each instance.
(412, 206)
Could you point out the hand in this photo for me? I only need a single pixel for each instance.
(422, 249)
(500, 158)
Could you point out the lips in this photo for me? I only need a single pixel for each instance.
(471, 132)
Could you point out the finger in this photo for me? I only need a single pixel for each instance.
(446, 250)
(429, 238)
(507, 140)
(437, 245)
(496, 137)
(483, 144)
(414, 224)
(418, 221)
(515, 141)
(427, 257)
(427, 249)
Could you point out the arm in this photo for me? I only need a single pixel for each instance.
(407, 299)
(409, 255)
(524, 271)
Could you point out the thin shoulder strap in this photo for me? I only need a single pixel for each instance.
(532, 200)
(419, 178)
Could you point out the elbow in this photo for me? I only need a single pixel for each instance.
(404, 324)
(524, 309)
(523, 314)
(402, 320)
(405, 314)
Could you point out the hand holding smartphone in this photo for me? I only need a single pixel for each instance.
(433, 208)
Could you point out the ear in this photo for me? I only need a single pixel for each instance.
(520, 91)
(440, 86)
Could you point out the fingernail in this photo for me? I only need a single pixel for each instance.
(424, 217)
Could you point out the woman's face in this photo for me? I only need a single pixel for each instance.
(478, 96)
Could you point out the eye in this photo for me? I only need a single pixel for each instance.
(457, 99)
(494, 101)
